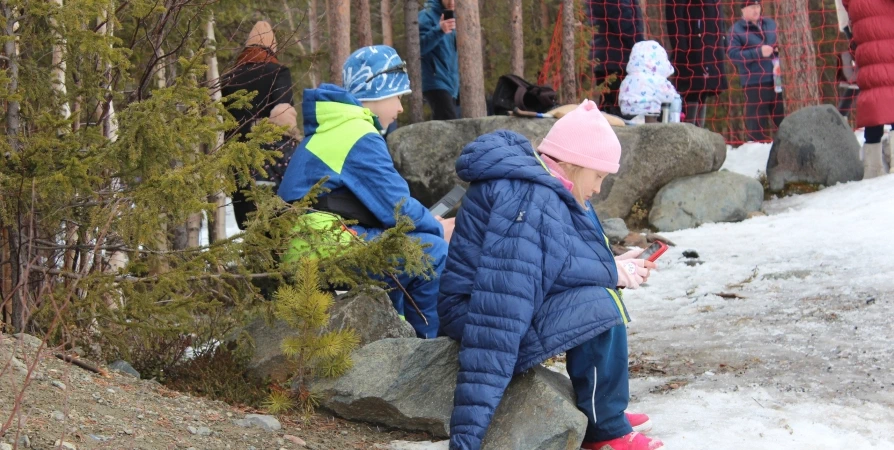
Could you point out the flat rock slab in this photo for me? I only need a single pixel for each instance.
(408, 384)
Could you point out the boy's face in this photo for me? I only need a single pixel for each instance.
(447, 4)
(387, 110)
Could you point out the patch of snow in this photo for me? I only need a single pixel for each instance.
(748, 159)
(802, 358)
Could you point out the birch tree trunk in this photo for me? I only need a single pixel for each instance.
(471, 68)
(59, 65)
(517, 40)
(217, 223)
(387, 28)
(339, 15)
(569, 74)
(413, 58)
(363, 23)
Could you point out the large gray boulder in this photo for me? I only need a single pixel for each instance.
(369, 313)
(408, 384)
(814, 145)
(655, 154)
(708, 198)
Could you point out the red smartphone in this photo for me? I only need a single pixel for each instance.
(653, 251)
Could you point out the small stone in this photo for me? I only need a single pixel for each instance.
(344, 433)
(204, 431)
(65, 445)
(110, 391)
(691, 254)
(264, 421)
(295, 440)
(191, 448)
(25, 441)
(125, 368)
(58, 384)
(229, 414)
(140, 416)
(192, 429)
(128, 431)
(280, 441)
(99, 437)
(5, 446)
(58, 415)
(18, 366)
(241, 423)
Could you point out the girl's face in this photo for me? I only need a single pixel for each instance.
(387, 110)
(587, 182)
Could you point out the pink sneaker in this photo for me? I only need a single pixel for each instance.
(639, 422)
(632, 441)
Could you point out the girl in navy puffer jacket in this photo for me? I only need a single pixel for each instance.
(529, 275)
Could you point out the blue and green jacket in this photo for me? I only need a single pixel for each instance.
(343, 142)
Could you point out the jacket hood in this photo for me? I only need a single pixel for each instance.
(329, 106)
(649, 58)
(435, 5)
(506, 155)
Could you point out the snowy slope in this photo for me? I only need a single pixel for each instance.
(804, 359)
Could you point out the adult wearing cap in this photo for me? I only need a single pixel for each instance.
(872, 23)
(343, 143)
(530, 274)
(257, 70)
(751, 49)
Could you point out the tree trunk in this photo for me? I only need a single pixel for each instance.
(569, 75)
(517, 40)
(314, 30)
(471, 70)
(217, 225)
(339, 14)
(387, 28)
(545, 22)
(414, 60)
(13, 118)
(363, 23)
(59, 65)
(797, 55)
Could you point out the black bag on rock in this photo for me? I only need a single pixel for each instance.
(514, 92)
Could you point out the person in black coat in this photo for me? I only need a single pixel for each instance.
(258, 70)
(283, 115)
(619, 25)
(698, 39)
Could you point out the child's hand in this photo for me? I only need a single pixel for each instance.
(633, 272)
(448, 225)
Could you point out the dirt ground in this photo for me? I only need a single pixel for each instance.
(90, 411)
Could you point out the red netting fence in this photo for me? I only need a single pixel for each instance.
(738, 66)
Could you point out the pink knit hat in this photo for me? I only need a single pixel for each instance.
(584, 138)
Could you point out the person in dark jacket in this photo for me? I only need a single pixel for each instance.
(283, 115)
(698, 39)
(258, 70)
(530, 274)
(440, 63)
(619, 25)
(751, 49)
(343, 144)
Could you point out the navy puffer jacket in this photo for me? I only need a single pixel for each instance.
(528, 276)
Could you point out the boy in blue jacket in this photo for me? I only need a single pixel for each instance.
(343, 141)
(530, 275)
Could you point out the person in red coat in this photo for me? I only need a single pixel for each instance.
(872, 23)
